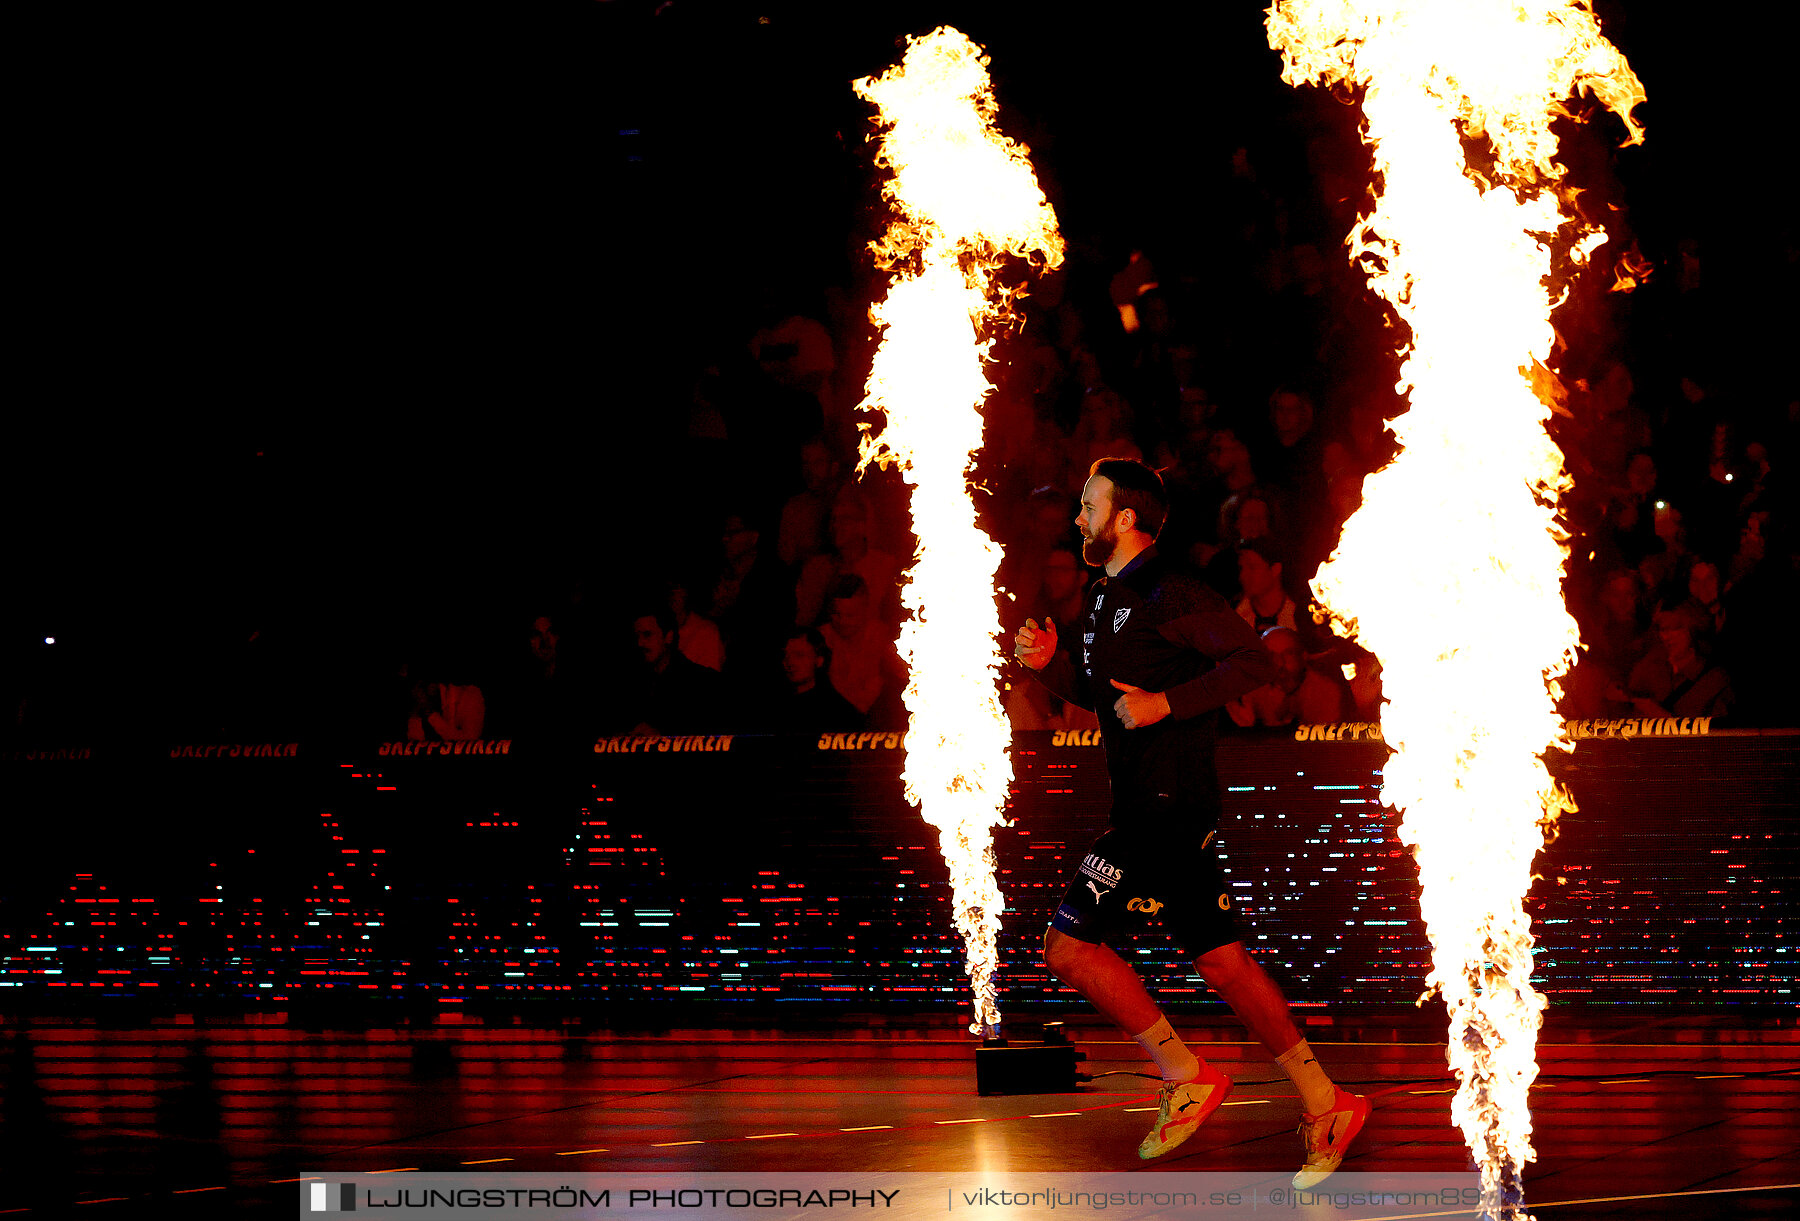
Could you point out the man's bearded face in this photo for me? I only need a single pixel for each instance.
(1097, 548)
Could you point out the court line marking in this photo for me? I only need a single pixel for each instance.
(188, 1191)
(979, 1119)
(1237, 1102)
(1624, 1081)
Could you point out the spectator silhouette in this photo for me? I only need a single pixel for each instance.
(1291, 457)
(697, 636)
(1265, 602)
(1136, 278)
(1297, 694)
(540, 701)
(1340, 495)
(1677, 677)
(803, 532)
(865, 667)
(1614, 634)
(850, 554)
(810, 703)
(446, 711)
(1632, 513)
(1230, 464)
(1706, 589)
(1610, 431)
(752, 599)
(1046, 522)
(795, 352)
(674, 695)
(1364, 684)
(1665, 569)
(1256, 512)
(1104, 429)
(1063, 590)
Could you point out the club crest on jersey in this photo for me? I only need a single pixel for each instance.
(1119, 618)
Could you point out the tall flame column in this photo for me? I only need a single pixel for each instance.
(964, 198)
(1451, 571)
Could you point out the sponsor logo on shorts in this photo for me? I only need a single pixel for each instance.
(1152, 906)
(1098, 893)
(1224, 903)
(1101, 871)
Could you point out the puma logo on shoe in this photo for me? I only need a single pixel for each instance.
(1185, 1106)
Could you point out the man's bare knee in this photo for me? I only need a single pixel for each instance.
(1227, 965)
(1061, 951)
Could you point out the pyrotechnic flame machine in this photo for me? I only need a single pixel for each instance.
(964, 198)
(1451, 570)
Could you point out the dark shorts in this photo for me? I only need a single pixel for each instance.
(1131, 883)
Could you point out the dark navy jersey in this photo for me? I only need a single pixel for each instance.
(1157, 627)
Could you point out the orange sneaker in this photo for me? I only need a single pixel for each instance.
(1185, 1105)
(1327, 1136)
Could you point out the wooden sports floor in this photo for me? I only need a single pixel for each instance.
(1663, 1117)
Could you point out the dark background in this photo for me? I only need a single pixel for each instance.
(345, 324)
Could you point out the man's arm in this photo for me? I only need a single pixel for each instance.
(1240, 663)
(1036, 650)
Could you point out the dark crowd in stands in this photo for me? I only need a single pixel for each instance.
(1258, 377)
(1250, 384)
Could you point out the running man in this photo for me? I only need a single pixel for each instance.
(1160, 655)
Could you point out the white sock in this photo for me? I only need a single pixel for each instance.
(1317, 1093)
(1172, 1056)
